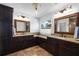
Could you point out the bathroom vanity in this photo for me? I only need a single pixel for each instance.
(62, 42)
(61, 45)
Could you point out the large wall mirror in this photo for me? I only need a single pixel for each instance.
(22, 26)
(66, 25)
(46, 24)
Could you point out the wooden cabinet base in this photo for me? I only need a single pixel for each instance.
(60, 47)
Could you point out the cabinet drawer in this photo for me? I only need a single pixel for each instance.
(68, 48)
(68, 52)
(71, 45)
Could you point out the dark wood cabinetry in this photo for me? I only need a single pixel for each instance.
(68, 48)
(5, 21)
(5, 27)
(8, 43)
(60, 47)
(19, 43)
(65, 48)
(51, 45)
(39, 40)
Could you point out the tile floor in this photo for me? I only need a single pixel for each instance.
(32, 51)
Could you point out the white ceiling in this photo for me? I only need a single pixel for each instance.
(43, 8)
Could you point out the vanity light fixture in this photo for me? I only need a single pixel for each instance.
(66, 11)
(22, 18)
(19, 17)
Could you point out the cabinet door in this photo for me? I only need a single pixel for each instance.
(5, 28)
(68, 49)
(51, 45)
(39, 40)
(6, 21)
(72, 48)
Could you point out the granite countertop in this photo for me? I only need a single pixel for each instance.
(66, 39)
(52, 36)
(23, 35)
(34, 34)
(41, 36)
(60, 38)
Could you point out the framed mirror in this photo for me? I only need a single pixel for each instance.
(65, 25)
(22, 26)
(46, 24)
